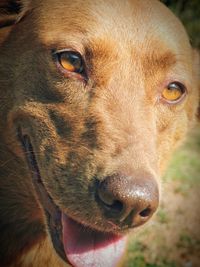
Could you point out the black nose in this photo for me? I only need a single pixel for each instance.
(127, 200)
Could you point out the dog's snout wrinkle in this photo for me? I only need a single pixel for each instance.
(127, 200)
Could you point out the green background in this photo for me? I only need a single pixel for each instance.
(189, 12)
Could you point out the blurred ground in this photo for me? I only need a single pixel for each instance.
(172, 238)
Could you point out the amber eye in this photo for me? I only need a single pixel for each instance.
(174, 92)
(70, 61)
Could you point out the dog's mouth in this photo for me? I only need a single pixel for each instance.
(77, 244)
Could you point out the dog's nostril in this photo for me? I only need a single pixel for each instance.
(117, 206)
(146, 212)
(107, 199)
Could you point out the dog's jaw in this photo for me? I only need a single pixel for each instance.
(51, 211)
(75, 243)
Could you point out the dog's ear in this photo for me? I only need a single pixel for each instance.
(198, 112)
(196, 60)
(11, 12)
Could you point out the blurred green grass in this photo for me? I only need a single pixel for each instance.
(185, 164)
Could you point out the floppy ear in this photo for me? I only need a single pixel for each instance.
(198, 112)
(196, 60)
(11, 12)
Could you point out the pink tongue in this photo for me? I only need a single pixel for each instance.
(87, 248)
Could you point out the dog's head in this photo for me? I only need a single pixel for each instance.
(101, 93)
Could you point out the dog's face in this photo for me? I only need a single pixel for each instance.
(101, 92)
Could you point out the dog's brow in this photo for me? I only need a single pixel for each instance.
(154, 61)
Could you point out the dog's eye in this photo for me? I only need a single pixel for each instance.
(71, 61)
(174, 92)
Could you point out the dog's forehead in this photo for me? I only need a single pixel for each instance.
(133, 21)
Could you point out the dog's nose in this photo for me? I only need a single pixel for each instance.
(127, 200)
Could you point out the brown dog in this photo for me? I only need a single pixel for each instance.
(95, 97)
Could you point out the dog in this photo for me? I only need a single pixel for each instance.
(95, 97)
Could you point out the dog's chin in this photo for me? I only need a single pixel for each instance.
(75, 243)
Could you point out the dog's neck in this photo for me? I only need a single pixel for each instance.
(36, 256)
